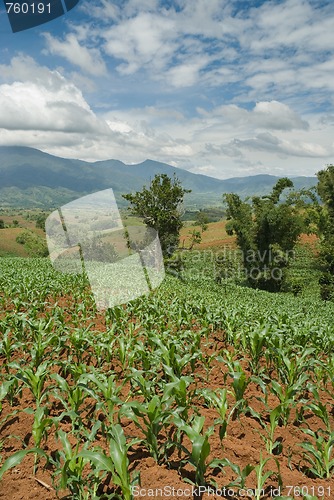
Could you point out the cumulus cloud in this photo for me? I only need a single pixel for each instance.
(39, 99)
(28, 106)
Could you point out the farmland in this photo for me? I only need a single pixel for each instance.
(197, 384)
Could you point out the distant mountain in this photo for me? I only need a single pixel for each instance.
(30, 178)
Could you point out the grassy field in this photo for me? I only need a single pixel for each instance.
(209, 389)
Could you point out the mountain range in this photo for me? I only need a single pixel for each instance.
(30, 178)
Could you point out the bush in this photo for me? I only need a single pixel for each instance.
(35, 246)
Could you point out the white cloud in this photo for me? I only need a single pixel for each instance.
(144, 40)
(87, 59)
(265, 115)
(41, 108)
(40, 99)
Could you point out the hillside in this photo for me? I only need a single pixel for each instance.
(30, 178)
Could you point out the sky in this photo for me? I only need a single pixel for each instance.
(224, 88)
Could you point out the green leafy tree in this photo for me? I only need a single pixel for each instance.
(2, 224)
(325, 189)
(159, 206)
(40, 221)
(267, 230)
(202, 220)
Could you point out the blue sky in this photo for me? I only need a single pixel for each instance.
(219, 87)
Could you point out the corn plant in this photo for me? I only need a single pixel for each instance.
(146, 384)
(320, 410)
(197, 455)
(178, 389)
(292, 368)
(262, 476)
(151, 418)
(116, 464)
(319, 455)
(41, 425)
(171, 358)
(78, 338)
(254, 343)
(7, 347)
(9, 389)
(69, 464)
(241, 474)
(72, 397)
(103, 388)
(272, 446)
(40, 346)
(240, 383)
(286, 396)
(34, 379)
(218, 400)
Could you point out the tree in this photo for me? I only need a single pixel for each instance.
(40, 221)
(325, 189)
(2, 224)
(266, 230)
(202, 220)
(159, 206)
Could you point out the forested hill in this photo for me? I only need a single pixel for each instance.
(32, 178)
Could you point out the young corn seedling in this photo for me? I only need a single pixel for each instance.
(40, 427)
(320, 410)
(197, 455)
(34, 379)
(9, 389)
(115, 463)
(254, 343)
(240, 383)
(262, 476)
(151, 418)
(78, 338)
(178, 390)
(171, 358)
(42, 340)
(144, 359)
(218, 400)
(146, 386)
(72, 397)
(70, 465)
(319, 455)
(286, 396)
(272, 446)
(104, 390)
(124, 351)
(292, 368)
(242, 474)
(7, 347)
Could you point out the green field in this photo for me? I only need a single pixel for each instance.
(196, 384)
